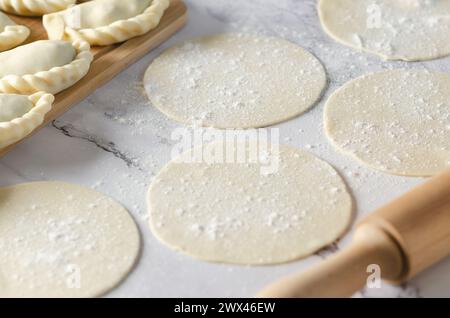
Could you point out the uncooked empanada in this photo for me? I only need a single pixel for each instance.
(105, 22)
(49, 66)
(20, 115)
(11, 34)
(34, 7)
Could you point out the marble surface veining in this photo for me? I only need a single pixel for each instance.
(115, 141)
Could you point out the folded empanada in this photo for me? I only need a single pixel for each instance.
(11, 34)
(105, 22)
(20, 115)
(34, 7)
(50, 66)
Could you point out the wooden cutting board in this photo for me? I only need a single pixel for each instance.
(108, 61)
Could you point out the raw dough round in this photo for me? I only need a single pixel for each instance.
(408, 30)
(235, 213)
(235, 81)
(394, 121)
(56, 237)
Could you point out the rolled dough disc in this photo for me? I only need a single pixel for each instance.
(62, 240)
(394, 121)
(233, 213)
(235, 81)
(408, 30)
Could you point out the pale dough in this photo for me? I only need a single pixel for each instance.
(11, 34)
(63, 240)
(34, 7)
(235, 81)
(105, 22)
(36, 57)
(408, 30)
(49, 66)
(20, 115)
(13, 106)
(4, 21)
(395, 121)
(235, 213)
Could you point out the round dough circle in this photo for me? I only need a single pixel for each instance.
(235, 81)
(63, 240)
(395, 121)
(234, 213)
(409, 30)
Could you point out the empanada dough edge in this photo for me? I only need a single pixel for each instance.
(116, 32)
(12, 36)
(34, 8)
(19, 128)
(54, 80)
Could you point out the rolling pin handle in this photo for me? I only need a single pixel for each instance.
(346, 272)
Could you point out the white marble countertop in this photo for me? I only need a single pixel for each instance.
(115, 141)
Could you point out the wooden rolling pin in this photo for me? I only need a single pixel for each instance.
(403, 238)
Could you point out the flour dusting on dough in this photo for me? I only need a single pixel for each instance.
(233, 213)
(407, 30)
(395, 121)
(235, 81)
(61, 240)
